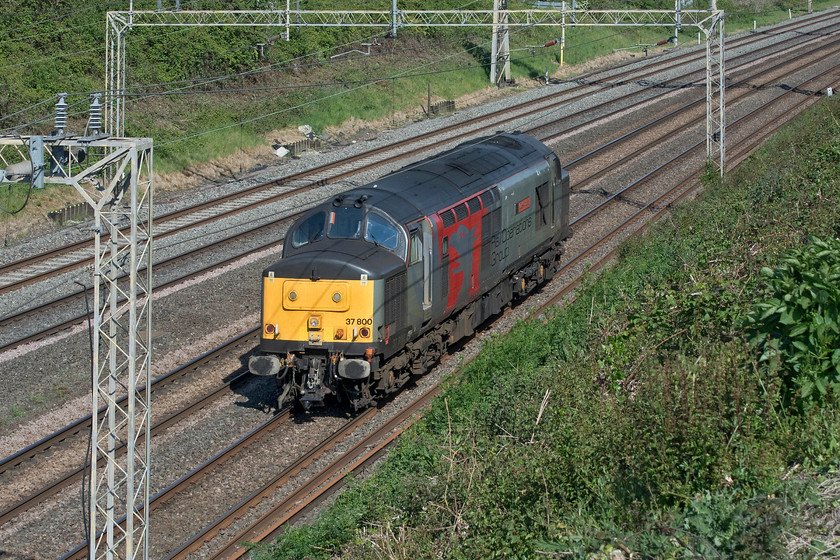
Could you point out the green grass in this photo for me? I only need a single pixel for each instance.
(666, 434)
(13, 197)
(740, 17)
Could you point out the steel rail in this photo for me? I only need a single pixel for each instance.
(256, 497)
(78, 473)
(51, 441)
(174, 260)
(759, 110)
(316, 487)
(158, 500)
(668, 116)
(743, 149)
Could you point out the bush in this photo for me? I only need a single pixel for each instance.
(797, 328)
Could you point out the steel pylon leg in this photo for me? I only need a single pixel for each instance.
(122, 362)
(715, 95)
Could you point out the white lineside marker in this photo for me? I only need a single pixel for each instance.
(829, 92)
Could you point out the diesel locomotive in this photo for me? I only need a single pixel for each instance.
(375, 283)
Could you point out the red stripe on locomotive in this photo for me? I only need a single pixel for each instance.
(464, 239)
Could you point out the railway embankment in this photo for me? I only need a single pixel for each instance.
(685, 404)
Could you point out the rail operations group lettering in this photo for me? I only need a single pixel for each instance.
(505, 236)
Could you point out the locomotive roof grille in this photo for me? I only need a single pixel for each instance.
(459, 167)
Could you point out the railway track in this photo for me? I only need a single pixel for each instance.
(319, 487)
(31, 459)
(40, 314)
(739, 150)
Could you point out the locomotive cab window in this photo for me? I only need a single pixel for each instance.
(381, 231)
(309, 231)
(346, 223)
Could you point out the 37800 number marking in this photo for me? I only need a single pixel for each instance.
(351, 321)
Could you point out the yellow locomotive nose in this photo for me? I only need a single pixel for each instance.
(317, 312)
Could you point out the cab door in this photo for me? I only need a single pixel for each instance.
(420, 272)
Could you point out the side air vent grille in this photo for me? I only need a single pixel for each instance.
(461, 212)
(474, 205)
(395, 300)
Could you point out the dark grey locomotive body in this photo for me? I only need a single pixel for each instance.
(375, 283)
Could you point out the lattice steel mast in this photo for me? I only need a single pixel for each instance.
(500, 45)
(116, 181)
(715, 90)
(123, 244)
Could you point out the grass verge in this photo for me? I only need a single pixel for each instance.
(676, 426)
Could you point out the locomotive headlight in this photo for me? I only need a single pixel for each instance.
(292, 296)
(364, 332)
(269, 328)
(314, 322)
(336, 297)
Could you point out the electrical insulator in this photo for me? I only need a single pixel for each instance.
(95, 121)
(61, 113)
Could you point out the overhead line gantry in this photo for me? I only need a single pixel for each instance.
(710, 22)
